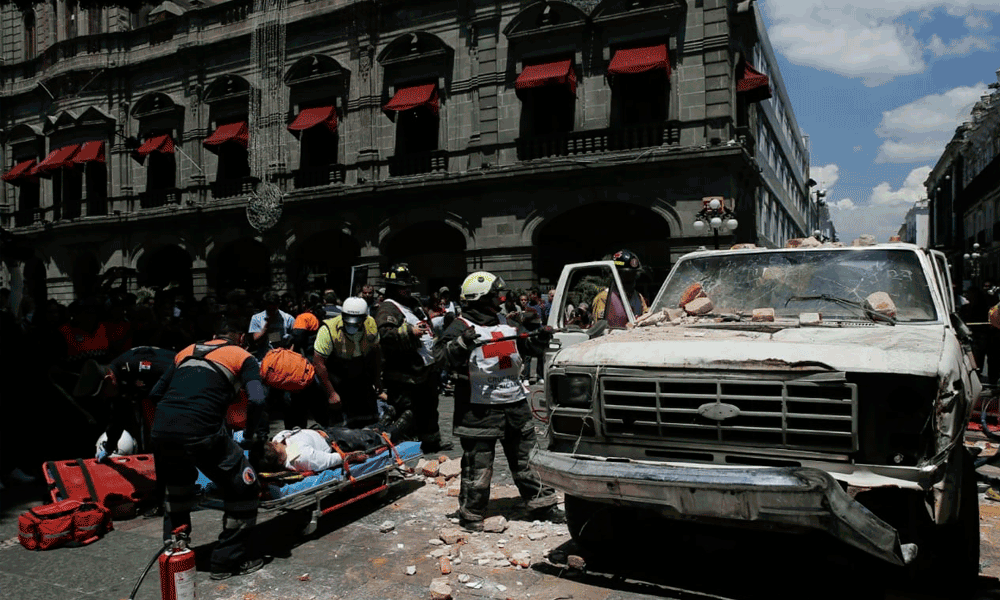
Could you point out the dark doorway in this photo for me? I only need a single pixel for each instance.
(244, 264)
(167, 266)
(435, 253)
(325, 262)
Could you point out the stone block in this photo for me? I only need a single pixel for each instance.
(699, 306)
(715, 15)
(430, 469)
(450, 468)
(718, 82)
(718, 96)
(716, 111)
(763, 315)
(497, 524)
(453, 535)
(882, 303)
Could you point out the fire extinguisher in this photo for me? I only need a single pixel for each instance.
(176, 567)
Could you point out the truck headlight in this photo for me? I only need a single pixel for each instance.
(572, 390)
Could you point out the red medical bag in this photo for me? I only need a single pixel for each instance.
(119, 483)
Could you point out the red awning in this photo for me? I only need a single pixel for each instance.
(639, 60)
(413, 97)
(553, 73)
(230, 132)
(754, 84)
(57, 159)
(312, 117)
(163, 144)
(21, 171)
(92, 151)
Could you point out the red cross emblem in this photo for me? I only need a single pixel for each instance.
(503, 350)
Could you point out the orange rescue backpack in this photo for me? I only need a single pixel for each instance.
(286, 370)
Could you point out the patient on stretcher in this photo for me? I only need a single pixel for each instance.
(306, 450)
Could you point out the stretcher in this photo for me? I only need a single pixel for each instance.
(289, 491)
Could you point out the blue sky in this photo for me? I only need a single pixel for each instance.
(879, 90)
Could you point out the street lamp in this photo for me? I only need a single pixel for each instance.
(716, 215)
(819, 201)
(972, 261)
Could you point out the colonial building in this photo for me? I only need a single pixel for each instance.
(222, 144)
(963, 191)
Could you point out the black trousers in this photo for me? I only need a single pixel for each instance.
(478, 453)
(221, 460)
(422, 398)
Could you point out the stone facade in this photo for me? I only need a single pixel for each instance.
(490, 192)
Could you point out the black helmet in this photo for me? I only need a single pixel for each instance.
(399, 275)
(626, 260)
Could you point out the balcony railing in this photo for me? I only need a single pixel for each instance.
(402, 165)
(308, 177)
(594, 141)
(158, 198)
(227, 188)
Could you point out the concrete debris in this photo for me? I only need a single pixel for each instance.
(386, 526)
(411, 570)
(864, 240)
(497, 524)
(420, 465)
(650, 319)
(430, 469)
(882, 303)
(699, 306)
(454, 520)
(454, 492)
(304, 577)
(692, 292)
(435, 542)
(450, 468)
(501, 588)
(445, 565)
(454, 536)
(743, 246)
(537, 535)
(521, 559)
(474, 585)
(464, 578)
(675, 314)
(440, 590)
(810, 319)
(439, 552)
(810, 242)
(443, 457)
(441, 481)
(576, 562)
(763, 315)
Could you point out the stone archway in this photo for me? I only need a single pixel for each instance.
(435, 252)
(167, 266)
(325, 261)
(243, 264)
(596, 230)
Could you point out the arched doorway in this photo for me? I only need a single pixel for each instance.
(86, 281)
(169, 266)
(594, 231)
(325, 262)
(435, 252)
(244, 264)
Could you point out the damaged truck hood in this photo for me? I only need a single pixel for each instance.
(903, 349)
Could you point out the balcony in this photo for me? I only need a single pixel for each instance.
(158, 198)
(227, 188)
(595, 141)
(402, 165)
(308, 177)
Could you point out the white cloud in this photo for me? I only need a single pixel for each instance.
(825, 177)
(845, 204)
(919, 131)
(912, 190)
(960, 47)
(869, 42)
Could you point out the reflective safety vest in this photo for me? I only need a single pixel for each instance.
(222, 356)
(426, 340)
(495, 369)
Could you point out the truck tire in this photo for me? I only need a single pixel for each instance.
(956, 544)
(596, 526)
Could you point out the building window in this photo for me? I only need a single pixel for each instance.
(316, 128)
(21, 176)
(230, 142)
(94, 22)
(29, 35)
(415, 110)
(71, 17)
(548, 98)
(639, 82)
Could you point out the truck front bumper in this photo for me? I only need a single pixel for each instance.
(782, 497)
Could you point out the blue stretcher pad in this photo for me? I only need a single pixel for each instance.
(328, 480)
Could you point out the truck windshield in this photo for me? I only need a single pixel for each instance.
(740, 283)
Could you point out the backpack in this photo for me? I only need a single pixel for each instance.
(286, 370)
(63, 523)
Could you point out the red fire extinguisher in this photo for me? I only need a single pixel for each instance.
(177, 568)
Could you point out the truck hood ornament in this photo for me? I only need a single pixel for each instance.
(718, 411)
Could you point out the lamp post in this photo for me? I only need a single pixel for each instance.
(716, 215)
(972, 261)
(820, 202)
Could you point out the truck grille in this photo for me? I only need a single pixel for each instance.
(775, 414)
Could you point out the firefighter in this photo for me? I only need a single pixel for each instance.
(613, 309)
(410, 372)
(189, 435)
(126, 383)
(490, 399)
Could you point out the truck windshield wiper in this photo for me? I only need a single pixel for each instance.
(872, 314)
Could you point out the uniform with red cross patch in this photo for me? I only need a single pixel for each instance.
(495, 367)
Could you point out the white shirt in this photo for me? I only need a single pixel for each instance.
(307, 450)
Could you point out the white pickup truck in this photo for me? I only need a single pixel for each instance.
(802, 389)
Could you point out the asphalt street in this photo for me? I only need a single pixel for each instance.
(368, 550)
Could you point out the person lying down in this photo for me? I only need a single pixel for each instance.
(316, 449)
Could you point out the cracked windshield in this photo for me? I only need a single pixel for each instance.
(890, 282)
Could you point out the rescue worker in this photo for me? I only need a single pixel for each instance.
(490, 399)
(189, 435)
(411, 373)
(348, 363)
(612, 308)
(126, 383)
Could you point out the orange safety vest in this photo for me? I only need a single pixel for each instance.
(230, 357)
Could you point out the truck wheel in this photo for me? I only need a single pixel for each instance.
(595, 526)
(957, 543)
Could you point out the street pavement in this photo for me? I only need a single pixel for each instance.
(366, 550)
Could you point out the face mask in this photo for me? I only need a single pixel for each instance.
(351, 330)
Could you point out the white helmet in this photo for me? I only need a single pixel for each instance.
(480, 284)
(126, 444)
(354, 310)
